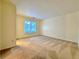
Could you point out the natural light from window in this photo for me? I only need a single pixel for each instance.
(29, 26)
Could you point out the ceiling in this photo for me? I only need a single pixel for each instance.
(45, 8)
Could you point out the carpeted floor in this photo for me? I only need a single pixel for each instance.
(42, 47)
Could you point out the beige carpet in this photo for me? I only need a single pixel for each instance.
(42, 47)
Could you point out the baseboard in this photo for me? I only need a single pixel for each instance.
(3, 49)
(27, 37)
(61, 39)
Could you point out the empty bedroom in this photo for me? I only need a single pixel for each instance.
(39, 29)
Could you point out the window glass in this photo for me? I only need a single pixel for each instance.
(29, 27)
(33, 27)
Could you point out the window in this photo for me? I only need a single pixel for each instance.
(29, 26)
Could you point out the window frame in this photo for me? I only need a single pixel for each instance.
(30, 32)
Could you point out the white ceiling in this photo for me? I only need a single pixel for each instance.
(45, 8)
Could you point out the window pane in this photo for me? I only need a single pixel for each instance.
(33, 27)
(27, 27)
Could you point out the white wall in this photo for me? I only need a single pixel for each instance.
(71, 27)
(54, 27)
(62, 27)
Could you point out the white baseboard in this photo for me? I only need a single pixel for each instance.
(62, 39)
